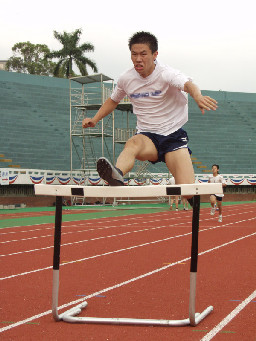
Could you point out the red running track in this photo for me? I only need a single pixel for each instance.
(132, 266)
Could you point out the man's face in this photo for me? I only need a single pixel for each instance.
(214, 169)
(143, 59)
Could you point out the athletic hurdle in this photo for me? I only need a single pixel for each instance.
(195, 190)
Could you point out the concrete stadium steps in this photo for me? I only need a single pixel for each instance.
(247, 112)
(34, 130)
(225, 136)
(37, 121)
(7, 163)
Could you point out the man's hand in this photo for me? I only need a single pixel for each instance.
(108, 107)
(88, 123)
(205, 103)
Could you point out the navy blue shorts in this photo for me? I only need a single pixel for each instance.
(165, 144)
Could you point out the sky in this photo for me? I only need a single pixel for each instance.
(214, 42)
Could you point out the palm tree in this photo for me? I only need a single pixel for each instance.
(70, 53)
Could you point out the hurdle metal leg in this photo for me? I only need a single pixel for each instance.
(56, 258)
(70, 315)
(193, 318)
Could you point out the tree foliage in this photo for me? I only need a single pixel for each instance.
(71, 53)
(30, 58)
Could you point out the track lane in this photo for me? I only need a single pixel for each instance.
(135, 257)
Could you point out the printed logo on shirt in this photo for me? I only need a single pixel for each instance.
(146, 94)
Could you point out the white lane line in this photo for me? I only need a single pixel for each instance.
(125, 249)
(107, 227)
(116, 286)
(125, 233)
(86, 230)
(93, 239)
(96, 256)
(233, 208)
(229, 318)
(26, 231)
(92, 295)
(67, 224)
(96, 218)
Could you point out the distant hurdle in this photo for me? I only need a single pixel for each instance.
(195, 190)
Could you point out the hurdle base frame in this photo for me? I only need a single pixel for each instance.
(71, 314)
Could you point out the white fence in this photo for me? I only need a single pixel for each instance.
(16, 176)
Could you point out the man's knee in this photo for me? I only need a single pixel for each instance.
(142, 147)
(213, 199)
(133, 144)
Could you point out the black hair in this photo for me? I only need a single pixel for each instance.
(144, 38)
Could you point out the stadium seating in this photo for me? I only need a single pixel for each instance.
(226, 136)
(34, 130)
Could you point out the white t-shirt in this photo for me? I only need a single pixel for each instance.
(217, 179)
(159, 102)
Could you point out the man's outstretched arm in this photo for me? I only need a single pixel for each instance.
(107, 108)
(203, 102)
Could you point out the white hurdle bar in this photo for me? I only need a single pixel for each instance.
(194, 190)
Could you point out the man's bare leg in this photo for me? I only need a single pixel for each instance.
(213, 200)
(219, 204)
(138, 147)
(213, 204)
(180, 165)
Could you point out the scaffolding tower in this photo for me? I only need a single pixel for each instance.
(87, 94)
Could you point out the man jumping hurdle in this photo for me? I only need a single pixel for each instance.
(158, 94)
